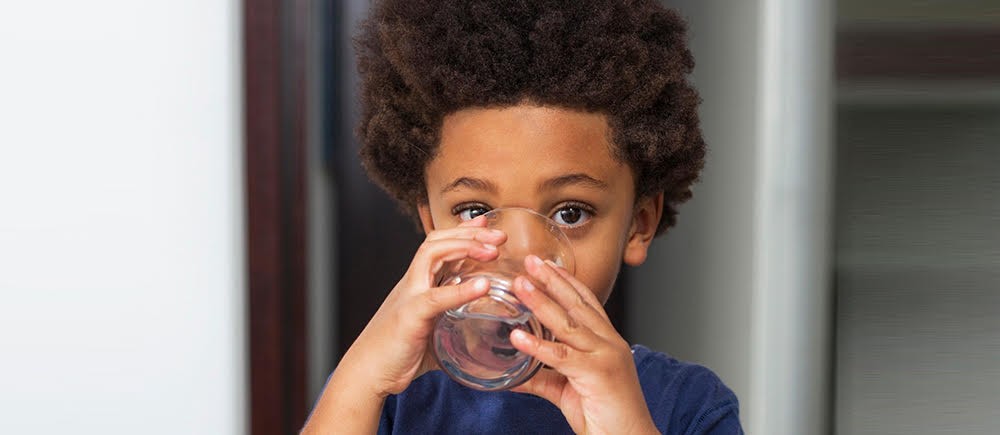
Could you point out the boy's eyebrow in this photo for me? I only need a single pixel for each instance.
(577, 178)
(471, 183)
(550, 184)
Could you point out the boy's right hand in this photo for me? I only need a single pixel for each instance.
(394, 347)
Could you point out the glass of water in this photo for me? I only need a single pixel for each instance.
(472, 343)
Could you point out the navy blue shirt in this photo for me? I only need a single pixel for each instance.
(683, 398)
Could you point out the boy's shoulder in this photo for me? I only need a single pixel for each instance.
(660, 369)
(685, 394)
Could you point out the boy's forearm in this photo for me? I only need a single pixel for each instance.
(347, 405)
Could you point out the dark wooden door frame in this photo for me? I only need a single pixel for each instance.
(274, 50)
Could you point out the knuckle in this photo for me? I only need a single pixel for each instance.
(571, 325)
(560, 352)
(545, 283)
(579, 309)
(565, 327)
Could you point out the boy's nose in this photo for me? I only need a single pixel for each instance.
(527, 233)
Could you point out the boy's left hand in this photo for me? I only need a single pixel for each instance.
(594, 381)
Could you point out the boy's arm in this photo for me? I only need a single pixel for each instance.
(347, 405)
(392, 349)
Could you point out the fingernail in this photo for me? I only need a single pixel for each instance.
(527, 285)
(518, 334)
(490, 247)
(480, 284)
(535, 260)
(496, 232)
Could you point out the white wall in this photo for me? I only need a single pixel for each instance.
(690, 299)
(742, 285)
(121, 230)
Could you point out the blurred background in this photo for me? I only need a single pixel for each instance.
(188, 244)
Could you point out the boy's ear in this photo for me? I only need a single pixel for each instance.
(645, 219)
(426, 221)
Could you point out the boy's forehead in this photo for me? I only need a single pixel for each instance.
(524, 142)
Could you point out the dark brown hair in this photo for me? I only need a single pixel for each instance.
(423, 59)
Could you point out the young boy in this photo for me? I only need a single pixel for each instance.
(579, 110)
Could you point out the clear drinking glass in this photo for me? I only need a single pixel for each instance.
(471, 343)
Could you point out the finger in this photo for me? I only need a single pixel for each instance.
(556, 354)
(440, 299)
(547, 384)
(565, 294)
(563, 326)
(486, 235)
(581, 289)
(431, 256)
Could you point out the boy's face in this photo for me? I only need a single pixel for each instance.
(555, 161)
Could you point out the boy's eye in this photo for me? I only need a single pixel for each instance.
(470, 212)
(571, 216)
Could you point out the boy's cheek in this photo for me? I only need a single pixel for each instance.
(598, 278)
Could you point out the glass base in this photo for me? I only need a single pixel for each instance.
(472, 343)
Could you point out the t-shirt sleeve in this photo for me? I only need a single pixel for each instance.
(687, 399)
(720, 420)
(713, 407)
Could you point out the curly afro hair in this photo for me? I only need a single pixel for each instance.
(628, 59)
